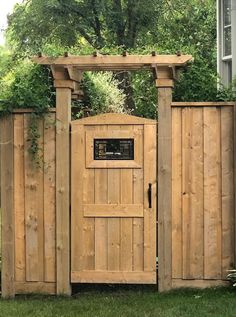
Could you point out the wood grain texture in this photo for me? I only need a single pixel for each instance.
(101, 249)
(63, 117)
(187, 117)
(33, 211)
(113, 62)
(177, 257)
(178, 283)
(113, 210)
(203, 104)
(196, 196)
(212, 194)
(114, 223)
(49, 198)
(107, 220)
(77, 171)
(228, 200)
(113, 119)
(138, 223)
(34, 204)
(126, 224)
(7, 204)
(35, 287)
(164, 190)
(204, 243)
(192, 171)
(19, 198)
(150, 212)
(101, 227)
(114, 277)
(88, 223)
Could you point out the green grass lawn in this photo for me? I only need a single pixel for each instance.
(114, 302)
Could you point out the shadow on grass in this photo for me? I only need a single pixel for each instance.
(78, 289)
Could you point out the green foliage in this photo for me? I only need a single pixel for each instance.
(102, 93)
(26, 85)
(80, 26)
(33, 136)
(195, 85)
(232, 277)
(145, 94)
(98, 23)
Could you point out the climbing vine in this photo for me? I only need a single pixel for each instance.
(33, 137)
(27, 85)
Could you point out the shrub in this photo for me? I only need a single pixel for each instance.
(102, 93)
(232, 277)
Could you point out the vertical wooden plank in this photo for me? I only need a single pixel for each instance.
(19, 198)
(89, 223)
(50, 198)
(138, 198)
(196, 196)
(126, 224)
(227, 189)
(63, 117)
(177, 259)
(77, 169)
(7, 204)
(212, 194)
(126, 232)
(164, 188)
(39, 198)
(101, 223)
(186, 187)
(150, 213)
(192, 171)
(113, 223)
(33, 210)
(101, 196)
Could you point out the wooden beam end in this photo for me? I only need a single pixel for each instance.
(164, 83)
(59, 83)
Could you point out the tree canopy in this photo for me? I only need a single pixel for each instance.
(111, 26)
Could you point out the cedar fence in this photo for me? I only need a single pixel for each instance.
(201, 227)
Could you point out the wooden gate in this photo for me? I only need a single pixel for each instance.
(113, 197)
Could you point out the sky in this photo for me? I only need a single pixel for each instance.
(6, 6)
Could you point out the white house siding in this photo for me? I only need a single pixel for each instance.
(225, 69)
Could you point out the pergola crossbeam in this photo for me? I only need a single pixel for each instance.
(113, 62)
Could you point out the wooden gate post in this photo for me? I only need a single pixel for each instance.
(164, 183)
(63, 118)
(7, 205)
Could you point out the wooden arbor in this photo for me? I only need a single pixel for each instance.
(67, 72)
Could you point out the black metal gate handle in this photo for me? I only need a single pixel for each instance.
(150, 195)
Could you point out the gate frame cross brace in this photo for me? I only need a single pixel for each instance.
(67, 72)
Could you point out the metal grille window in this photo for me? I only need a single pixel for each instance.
(113, 149)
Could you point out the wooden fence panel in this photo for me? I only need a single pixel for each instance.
(203, 203)
(202, 192)
(33, 192)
